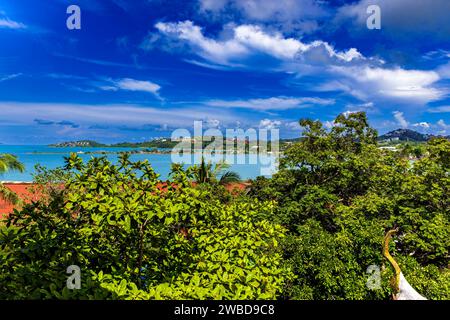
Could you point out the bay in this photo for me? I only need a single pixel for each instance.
(53, 157)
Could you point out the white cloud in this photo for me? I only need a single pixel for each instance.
(137, 85)
(444, 70)
(254, 38)
(212, 123)
(348, 71)
(441, 123)
(250, 40)
(6, 23)
(293, 125)
(399, 117)
(273, 103)
(424, 125)
(400, 84)
(209, 49)
(269, 124)
(128, 84)
(329, 124)
(366, 107)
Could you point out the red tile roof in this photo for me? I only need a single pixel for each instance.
(26, 192)
(23, 190)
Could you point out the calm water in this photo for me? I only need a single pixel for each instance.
(51, 158)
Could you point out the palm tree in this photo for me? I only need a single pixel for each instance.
(9, 162)
(229, 177)
(206, 173)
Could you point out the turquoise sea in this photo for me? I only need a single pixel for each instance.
(52, 157)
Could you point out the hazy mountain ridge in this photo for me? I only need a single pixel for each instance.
(407, 135)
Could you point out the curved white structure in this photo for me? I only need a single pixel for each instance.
(403, 290)
(406, 292)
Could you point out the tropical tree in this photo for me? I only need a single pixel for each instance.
(9, 162)
(338, 193)
(209, 174)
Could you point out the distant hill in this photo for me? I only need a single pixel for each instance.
(405, 135)
(156, 143)
(159, 143)
(81, 143)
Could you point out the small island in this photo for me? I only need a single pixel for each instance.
(160, 143)
(80, 143)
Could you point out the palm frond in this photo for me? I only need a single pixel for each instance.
(220, 166)
(10, 162)
(9, 195)
(229, 177)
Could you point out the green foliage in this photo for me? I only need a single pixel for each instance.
(339, 193)
(135, 237)
(10, 162)
(414, 150)
(207, 173)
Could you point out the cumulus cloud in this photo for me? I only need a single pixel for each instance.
(273, 103)
(247, 41)
(401, 121)
(292, 125)
(400, 84)
(269, 124)
(424, 125)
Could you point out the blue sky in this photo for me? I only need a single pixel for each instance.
(140, 69)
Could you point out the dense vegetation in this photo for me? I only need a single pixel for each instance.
(338, 193)
(309, 232)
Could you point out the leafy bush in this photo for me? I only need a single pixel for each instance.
(136, 237)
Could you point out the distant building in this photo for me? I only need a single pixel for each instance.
(388, 148)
